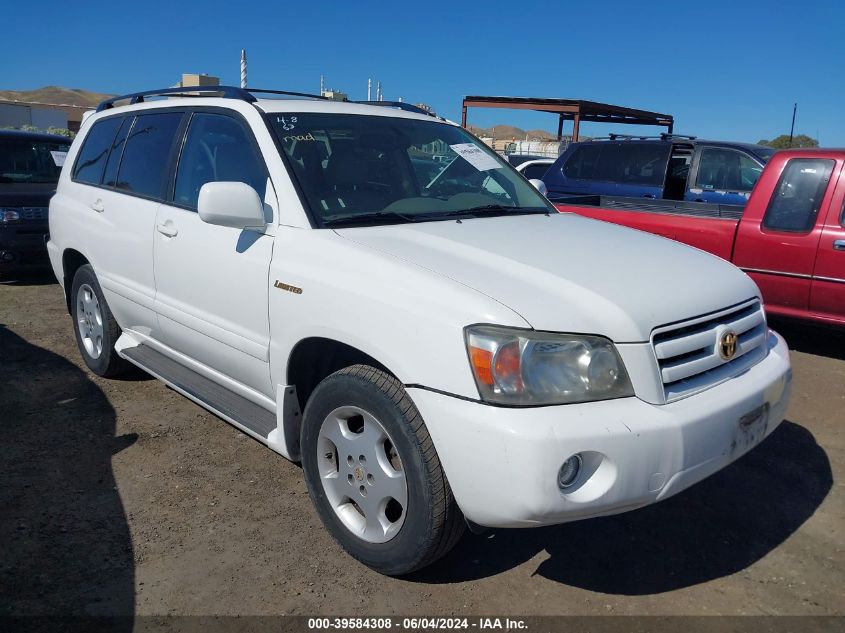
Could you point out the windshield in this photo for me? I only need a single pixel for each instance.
(24, 160)
(764, 153)
(359, 170)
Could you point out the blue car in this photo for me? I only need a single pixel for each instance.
(669, 167)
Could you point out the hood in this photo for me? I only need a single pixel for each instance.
(567, 273)
(20, 194)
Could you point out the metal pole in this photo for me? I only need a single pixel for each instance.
(243, 68)
(464, 115)
(792, 129)
(576, 123)
(369, 89)
(560, 127)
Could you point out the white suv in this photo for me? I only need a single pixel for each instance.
(461, 352)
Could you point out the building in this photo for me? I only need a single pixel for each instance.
(198, 79)
(336, 95)
(17, 114)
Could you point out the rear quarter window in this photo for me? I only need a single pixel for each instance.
(95, 150)
(625, 162)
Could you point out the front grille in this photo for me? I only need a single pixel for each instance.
(688, 353)
(34, 213)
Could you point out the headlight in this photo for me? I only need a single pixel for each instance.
(9, 215)
(523, 367)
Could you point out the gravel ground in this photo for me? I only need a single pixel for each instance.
(122, 497)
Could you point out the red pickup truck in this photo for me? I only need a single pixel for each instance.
(790, 237)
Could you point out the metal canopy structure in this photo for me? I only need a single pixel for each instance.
(574, 110)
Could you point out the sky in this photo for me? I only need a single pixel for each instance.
(727, 70)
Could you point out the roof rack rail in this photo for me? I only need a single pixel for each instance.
(286, 93)
(226, 92)
(408, 107)
(666, 135)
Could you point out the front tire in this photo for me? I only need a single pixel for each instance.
(94, 325)
(374, 475)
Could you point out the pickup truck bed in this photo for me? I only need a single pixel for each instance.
(677, 220)
(790, 237)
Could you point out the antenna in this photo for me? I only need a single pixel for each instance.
(792, 129)
(243, 68)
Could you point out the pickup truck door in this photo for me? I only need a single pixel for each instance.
(779, 251)
(827, 294)
(722, 175)
(212, 281)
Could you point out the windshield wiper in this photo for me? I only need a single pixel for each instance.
(367, 218)
(490, 209)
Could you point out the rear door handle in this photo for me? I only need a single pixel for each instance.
(167, 229)
(839, 245)
(98, 206)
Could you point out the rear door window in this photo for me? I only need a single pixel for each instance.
(798, 195)
(143, 168)
(95, 150)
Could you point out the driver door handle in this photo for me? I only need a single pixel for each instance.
(839, 245)
(98, 205)
(167, 229)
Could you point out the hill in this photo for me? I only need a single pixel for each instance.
(55, 95)
(508, 132)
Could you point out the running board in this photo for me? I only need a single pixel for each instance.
(246, 415)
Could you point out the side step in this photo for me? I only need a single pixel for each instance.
(252, 418)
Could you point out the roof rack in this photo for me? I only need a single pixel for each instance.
(636, 137)
(226, 92)
(408, 107)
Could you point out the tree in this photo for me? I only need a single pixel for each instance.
(61, 131)
(782, 142)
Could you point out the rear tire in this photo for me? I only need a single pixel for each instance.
(374, 475)
(94, 325)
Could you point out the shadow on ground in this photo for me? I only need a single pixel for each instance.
(811, 339)
(714, 529)
(35, 277)
(65, 538)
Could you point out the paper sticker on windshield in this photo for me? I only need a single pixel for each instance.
(475, 156)
(59, 158)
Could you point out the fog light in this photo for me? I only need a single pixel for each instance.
(568, 472)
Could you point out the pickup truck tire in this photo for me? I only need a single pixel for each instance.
(94, 325)
(361, 436)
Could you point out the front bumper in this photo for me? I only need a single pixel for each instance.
(23, 246)
(502, 463)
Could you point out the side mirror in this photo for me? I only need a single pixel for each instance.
(539, 185)
(232, 204)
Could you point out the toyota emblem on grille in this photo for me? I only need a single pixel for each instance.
(727, 345)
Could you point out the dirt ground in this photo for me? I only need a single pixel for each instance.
(122, 497)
